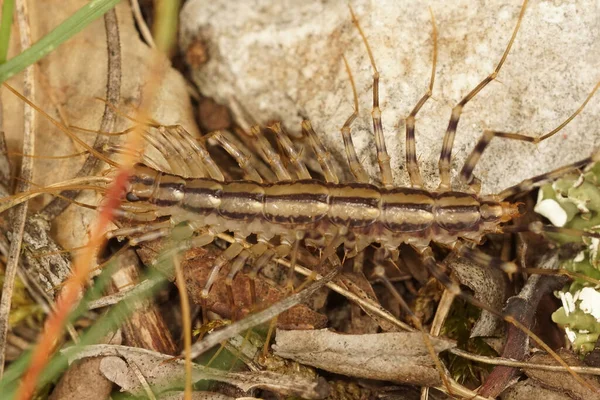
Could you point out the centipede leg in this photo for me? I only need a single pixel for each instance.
(539, 180)
(446, 153)
(466, 173)
(355, 166)
(412, 164)
(138, 229)
(236, 266)
(200, 153)
(166, 148)
(294, 156)
(269, 155)
(323, 156)
(188, 154)
(241, 158)
(383, 157)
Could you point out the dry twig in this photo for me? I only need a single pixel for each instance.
(20, 212)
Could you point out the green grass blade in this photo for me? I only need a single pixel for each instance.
(67, 29)
(5, 25)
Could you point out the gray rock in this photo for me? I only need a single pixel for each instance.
(283, 60)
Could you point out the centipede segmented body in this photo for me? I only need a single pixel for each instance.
(273, 217)
(296, 207)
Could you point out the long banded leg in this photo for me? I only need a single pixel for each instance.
(466, 174)
(539, 180)
(355, 166)
(446, 153)
(203, 156)
(137, 229)
(236, 266)
(169, 152)
(383, 157)
(242, 159)
(181, 139)
(269, 155)
(138, 155)
(323, 156)
(289, 284)
(294, 157)
(411, 153)
(483, 259)
(225, 257)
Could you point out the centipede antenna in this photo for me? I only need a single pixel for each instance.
(63, 128)
(97, 132)
(81, 153)
(72, 201)
(383, 157)
(412, 165)
(9, 202)
(446, 153)
(466, 173)
(147, 122)
(355, 165)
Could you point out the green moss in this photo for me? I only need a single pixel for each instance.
(579, 197)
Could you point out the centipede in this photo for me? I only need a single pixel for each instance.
(300, 209)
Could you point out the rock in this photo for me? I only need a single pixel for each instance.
(283, 60)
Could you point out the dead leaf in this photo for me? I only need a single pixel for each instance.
(400, 357)
(489, 287)
(563, 382)
(163, 372)
(527, 390)
(83, 381)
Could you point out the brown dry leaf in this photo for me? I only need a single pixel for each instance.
(489, 286)
(400, 357)
(83, 381)
(73, 75)
(162, 372)
(563, 382)
(527, 390)
(197, 264)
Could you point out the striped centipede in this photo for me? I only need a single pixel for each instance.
(296, 209)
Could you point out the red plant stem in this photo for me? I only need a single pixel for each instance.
(71, 291)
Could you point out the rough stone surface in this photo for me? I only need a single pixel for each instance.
(283, 60)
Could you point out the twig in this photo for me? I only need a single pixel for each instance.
(139, 20)
(523, 364)
(113, 95)
(187, 327)
(4, 161)
(20, 213)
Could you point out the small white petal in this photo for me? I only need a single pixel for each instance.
(552, 210)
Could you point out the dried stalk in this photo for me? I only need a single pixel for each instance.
(26, 174)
